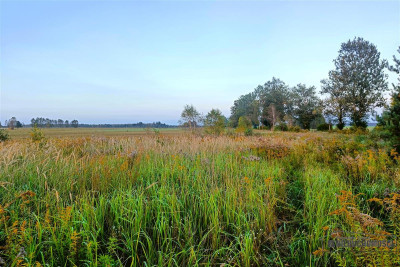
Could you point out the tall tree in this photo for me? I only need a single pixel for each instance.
(74, 123)
(247, 105)
(335, 106)
(12, 123)
(359, 71)
(306, 105)
(190, 116)
(272, 115)
(390, 118)
(396, 69)
(214, 122)
(274, 93)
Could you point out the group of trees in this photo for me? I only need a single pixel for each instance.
(214, 122)
(356, 86)
(157, 124)
(49, 123)
(275, 102)
(13, 123)
(353, 90)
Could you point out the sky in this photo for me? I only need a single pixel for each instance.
(131, 61)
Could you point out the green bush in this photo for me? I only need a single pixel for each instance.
(281, 127)
(248, 132)
(295, 129)
(355, 130)
(4, 135)
(380, 132)
(37, 134)
(263, 127)
(324, 127)
(230, 132)
(244, 124)
(214, 122)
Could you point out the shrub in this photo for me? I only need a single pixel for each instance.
(4, 135)
(380, 132)
(248, 132)
(324, 127)
(264, 127)
(37, 134)
(244, 124)
(295, 129)
(156, 131)
(281, 127)
(230, 132)
(214, 122)
(355, 130)
(360, 130)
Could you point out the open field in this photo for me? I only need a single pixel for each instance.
(115, 198)
(89, 132)
(19, 133)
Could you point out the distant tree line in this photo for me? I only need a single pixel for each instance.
(59, 123)
(129, 125)
(353, 90)
(51, 123)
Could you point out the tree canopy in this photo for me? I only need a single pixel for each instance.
(247, 105)
(214, 122)
(390, 118)
(190, 116)
(353, 90)
(306, 105)
(357, 83)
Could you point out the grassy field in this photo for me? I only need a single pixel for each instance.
(90, 132)
(107, 197)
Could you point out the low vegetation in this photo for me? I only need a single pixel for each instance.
(4, 136)
(187, 199)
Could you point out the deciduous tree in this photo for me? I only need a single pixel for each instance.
(276, 94)
(306, 105)
(12, 123)
(272, 115)
(335, 106)
(359, 76)
(74, 123)
(214, 122)
(247, 105)
(190, 116)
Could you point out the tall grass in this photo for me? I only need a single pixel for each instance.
(186, 200)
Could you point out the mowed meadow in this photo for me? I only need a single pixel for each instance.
(183, 199)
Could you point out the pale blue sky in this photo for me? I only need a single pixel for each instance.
(130, 61)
